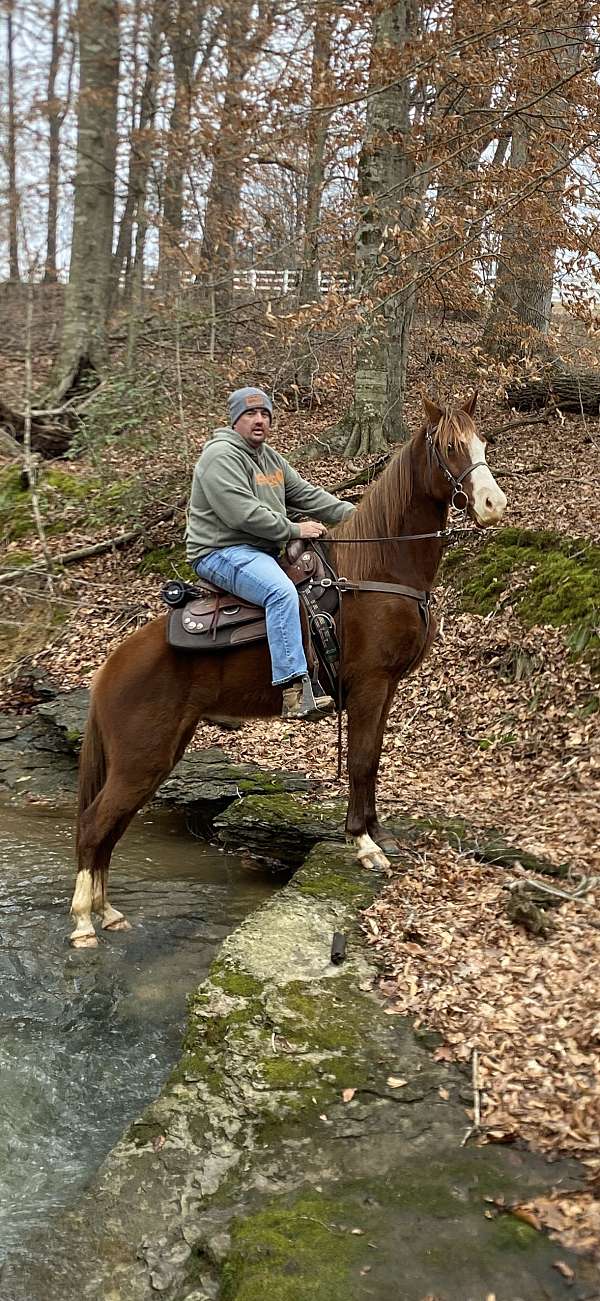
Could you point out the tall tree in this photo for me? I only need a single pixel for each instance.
(323, 28)
(183, 29)
(246, 30)
(386, 220)
(542, 141)
(143, 116)
(190, 31)
(13, 194)
(55, 119)
(84, 336)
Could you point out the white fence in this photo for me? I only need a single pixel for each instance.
(286, 281)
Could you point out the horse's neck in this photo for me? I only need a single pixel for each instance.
(417, 563)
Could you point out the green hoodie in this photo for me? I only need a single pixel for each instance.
(241, 496)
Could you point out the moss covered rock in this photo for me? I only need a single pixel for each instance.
(307, 1148)
(561, 587)
(281, 830)
(278, 828)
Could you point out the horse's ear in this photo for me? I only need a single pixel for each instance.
(433, 412)
(470, 404)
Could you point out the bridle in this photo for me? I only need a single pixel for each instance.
(460, 500)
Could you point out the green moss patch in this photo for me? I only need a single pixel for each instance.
(303, 1249)
(167, 561)
(66, 499)
(561, 587)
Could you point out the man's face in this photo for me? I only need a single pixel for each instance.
(254, 426)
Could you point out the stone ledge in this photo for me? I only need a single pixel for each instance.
(254, 1175)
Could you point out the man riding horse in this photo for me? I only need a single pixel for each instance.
(242, 491)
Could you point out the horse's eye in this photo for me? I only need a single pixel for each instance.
(451, 448)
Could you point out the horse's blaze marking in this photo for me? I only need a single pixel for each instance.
(484, 487)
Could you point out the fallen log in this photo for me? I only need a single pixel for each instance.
(567, 390)
(95, 549)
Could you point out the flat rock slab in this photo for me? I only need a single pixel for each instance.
(282, 830)
(39, 754)
(306, 1148)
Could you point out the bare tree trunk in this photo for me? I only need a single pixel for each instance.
(139, 162)
(54, 124)
(83, 344)
(227, 178)
(385, 182)
(541, 143)
(244, 40)
(309, 292)
(13, 194)
(171, 231)
(324, 24)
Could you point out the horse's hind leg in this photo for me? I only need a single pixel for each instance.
(84, 935)
(102, 825)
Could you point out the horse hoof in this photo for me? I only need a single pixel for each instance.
(89, 941)
(389, 847)
(369, 854)
(119, 924)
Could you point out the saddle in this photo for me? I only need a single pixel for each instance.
(207, 618)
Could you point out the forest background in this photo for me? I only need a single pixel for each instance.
(349, 205)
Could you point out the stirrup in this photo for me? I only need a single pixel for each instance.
(300, 702)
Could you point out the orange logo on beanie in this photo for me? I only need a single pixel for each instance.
(254, 400)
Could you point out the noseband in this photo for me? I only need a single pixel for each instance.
(460, 500)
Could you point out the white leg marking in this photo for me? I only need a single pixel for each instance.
(368, 853)
(84, 935)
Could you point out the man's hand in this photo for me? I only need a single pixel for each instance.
(310, 528)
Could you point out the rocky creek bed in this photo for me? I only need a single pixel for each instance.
(307, 1145)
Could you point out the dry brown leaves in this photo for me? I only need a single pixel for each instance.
(467, 736)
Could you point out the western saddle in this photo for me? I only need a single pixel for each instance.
(204, 617)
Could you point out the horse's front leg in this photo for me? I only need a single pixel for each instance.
(368, 708)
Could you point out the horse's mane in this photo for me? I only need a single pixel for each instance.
(383, 508)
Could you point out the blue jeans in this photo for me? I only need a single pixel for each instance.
(255, 576)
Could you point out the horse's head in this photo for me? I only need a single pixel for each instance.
(458, 469)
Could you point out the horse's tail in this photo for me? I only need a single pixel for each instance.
(92, 766)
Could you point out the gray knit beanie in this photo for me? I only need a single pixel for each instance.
(248, 399)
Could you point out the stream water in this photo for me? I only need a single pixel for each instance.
(87, 1038)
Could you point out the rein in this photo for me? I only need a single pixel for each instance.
(403, 537)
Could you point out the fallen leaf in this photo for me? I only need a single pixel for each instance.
(395, 1082)
(528, 1217)
(564, 1269)
(348, 1094)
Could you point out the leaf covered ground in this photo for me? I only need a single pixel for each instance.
(499, 727)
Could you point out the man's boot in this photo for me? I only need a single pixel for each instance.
(300, 702)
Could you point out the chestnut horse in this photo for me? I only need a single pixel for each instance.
(148, 698)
